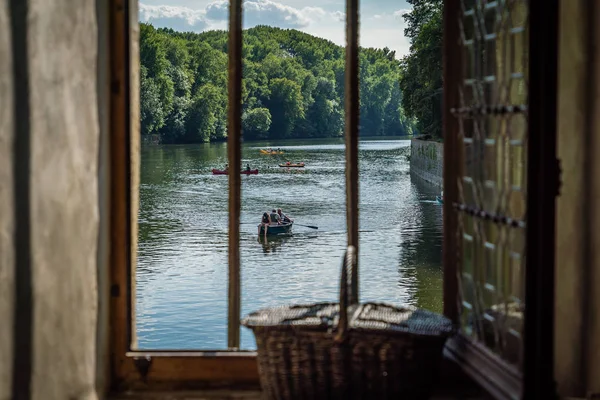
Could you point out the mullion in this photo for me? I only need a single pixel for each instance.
(234, 158)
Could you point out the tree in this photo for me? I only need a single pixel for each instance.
(151, 111)
(206, 118)
(421, 81)
(256, 123)
(293, 86)
(286, 106)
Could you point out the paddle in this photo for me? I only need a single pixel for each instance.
(308, 226)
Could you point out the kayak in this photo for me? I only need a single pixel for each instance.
(270, 152)
(276, 229)
(244, 172)
(301, 165)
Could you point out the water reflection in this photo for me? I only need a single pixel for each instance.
(181, 280)
(272, 244)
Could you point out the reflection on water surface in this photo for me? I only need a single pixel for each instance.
(181, 295)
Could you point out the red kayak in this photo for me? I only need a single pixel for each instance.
(244, 172)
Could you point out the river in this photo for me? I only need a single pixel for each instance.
(181, 279)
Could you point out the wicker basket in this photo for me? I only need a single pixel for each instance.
(356, 351)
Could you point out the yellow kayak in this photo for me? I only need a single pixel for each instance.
(270, 152)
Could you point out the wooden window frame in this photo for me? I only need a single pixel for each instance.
(498, 378)
(161, 370)
(173, 370)
(131, 369)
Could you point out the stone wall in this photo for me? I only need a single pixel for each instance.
(427, 161)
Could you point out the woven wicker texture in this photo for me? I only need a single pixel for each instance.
(346, 350)
(367, 317)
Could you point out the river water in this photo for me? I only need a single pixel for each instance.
(181, 280)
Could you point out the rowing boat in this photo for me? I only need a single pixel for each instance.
(276, 229)
(244, 172)
(301, 165)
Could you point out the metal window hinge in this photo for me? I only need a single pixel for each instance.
(143, 365)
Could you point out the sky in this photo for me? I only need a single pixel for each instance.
(381, 22)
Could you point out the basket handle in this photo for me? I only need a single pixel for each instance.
(348, 290)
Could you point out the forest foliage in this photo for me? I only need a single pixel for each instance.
(421, 70)
(293, 86)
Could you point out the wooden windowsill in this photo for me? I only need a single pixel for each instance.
(454, 384)
(251, 395)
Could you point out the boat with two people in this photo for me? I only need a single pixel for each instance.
(291, 165)
(246, 171)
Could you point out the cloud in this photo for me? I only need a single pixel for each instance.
(400, 13)
(396, 15)
(267, 12)
(339, 16)
(178, 18)
(377, 30)
(256, 12)
(315, 14)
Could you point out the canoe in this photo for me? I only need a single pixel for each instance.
(270, 152)
(244, 172)
(301, 165)
(439, 199)
(275, 229)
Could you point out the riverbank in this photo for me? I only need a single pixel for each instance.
(427, 161)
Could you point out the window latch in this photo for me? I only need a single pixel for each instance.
(143, 365)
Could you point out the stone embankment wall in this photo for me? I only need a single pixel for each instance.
(427, 161)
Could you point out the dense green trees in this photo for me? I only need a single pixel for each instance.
(293, 86)
(421, 77)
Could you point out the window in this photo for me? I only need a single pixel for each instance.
(500, 183)
(232, 368)
(131, 369)
(500, 175)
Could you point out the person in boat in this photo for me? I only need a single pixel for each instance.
(275, 217)
(248, 167)
(265, 221)
(226, 167)
(283, 217)
(287, 163)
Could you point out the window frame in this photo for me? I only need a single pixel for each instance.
(131, 369)
(498, 378)
(154, 370)
(169, 370)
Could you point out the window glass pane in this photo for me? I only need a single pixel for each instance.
(182, 274)
(293, 103)
(493, 189)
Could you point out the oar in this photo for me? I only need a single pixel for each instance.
(308, 226)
